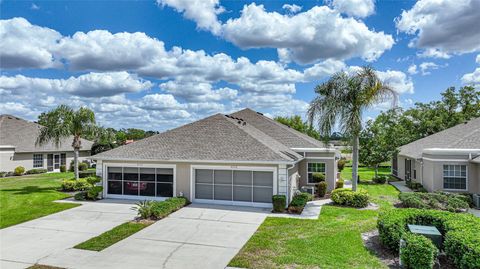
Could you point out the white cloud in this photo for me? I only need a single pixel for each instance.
(426, 66)
(477, 60)
(432, 53)
(397, 80)
(88, 85)
(412, 69)
(34, 7)
(203, 12)
(319, 33)
(472, 78)
(443, 27)
(323, 69)
(292, 9)
(356, 8)
(23, 45)
(160, 102)
(198, 91)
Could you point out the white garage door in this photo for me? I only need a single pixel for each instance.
(234, 186)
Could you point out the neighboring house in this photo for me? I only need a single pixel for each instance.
(448, 160)
(243, 159)
(17, 147)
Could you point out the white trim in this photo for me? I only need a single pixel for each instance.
(319, 158)
(190, 161)
(7, 147)
(325, 173)
(448, 151)
(315, 149)
(137, 165)
(446, 160)
(233, 168)
(134, 197)
(466, 177)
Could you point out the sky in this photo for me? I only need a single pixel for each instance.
(160, 64)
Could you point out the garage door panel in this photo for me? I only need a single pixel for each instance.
(223, 177)
(242, 193)
(262, 195)
(204, 176)
(242, 178)
(261, 178)
(203, 191)
(223, 192)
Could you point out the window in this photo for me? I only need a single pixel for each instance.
(314, 168)
(455, 177)
(140, 181)
(37, 160)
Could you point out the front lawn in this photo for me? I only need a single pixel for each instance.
(29, 197)
(332, 241)
(366, 173)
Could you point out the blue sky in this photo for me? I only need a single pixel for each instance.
(159, 64)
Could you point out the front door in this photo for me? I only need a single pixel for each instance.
(408, 170)
(56, 162)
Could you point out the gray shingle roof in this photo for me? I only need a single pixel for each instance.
(22, 134)
(215, 138)
(282, 133)
(462, 136)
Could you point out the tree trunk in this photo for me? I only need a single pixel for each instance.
(355, 163)
(75, 162)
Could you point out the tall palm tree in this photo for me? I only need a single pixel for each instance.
(63, 122)
(342, 100)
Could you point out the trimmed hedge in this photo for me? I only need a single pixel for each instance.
(419, 252)
(318, 177)
(339, 184)
(440, 201)
(347, 197)
(36, 171)
(298, 202)
(461, 234)
(84, 174)
(159, 209)
(75, 185)
(279, 203)
(19, 170)
(380, 179)
(63, 168)
(322, 188)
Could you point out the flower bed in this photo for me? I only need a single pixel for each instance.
(298, 203)
(460, 231)
(440, 201)
(155, 210)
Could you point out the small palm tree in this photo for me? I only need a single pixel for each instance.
(342, 100)
(63, 122)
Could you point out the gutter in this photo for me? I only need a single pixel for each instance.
(447, 151)
(194, 161)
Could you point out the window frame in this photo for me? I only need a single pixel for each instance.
(34, 160)
(308, 172)
(455, 177)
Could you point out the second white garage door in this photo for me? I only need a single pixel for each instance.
(240, 187)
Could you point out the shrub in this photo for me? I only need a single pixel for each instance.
(19, 170)
(87, 163)
(93, 192)
(461, 236)
(351, 198)
(414, 185)
(380, 179)
(439, 201)
(72, 166)
(339, 184)
(279, 203)
(84, 174)
(63, 168)
(318, 177)
(80, 196)
(418, 253)
(93, 180)
(298, 203)
(82, 167)
(159, 209)
(341, 164)
(322, 188)
(3, 174)
(36, 171)
(75, 185)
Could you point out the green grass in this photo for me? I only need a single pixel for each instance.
(332, 241)
(111, 237)
(29, 197)
(366, 173)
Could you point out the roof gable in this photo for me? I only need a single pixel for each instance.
(23, 134)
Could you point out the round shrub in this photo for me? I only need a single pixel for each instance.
(339, 184)
(322, 188)
(93, 192)
(380, 179)
(460, 231)
(19, 170)
(347, 197)
(75, 185)
(63, 168)
(80, 196)
(318, 177)
(418, 252)
(279, 203)
(341, 164)
(82, 166)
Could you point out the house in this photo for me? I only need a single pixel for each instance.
(17, 147)
(448, 160)
(240, 159)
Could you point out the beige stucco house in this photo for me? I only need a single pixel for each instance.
(239, 159)
(448, 160)
(17, 147)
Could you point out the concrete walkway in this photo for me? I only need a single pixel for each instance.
(311, 211)
(400, 185)
(197, 236)
(28, 243)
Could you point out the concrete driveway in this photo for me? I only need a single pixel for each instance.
(197, 236)
(25, 244)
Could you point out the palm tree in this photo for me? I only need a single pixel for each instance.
(63, 122)
(342, 100)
